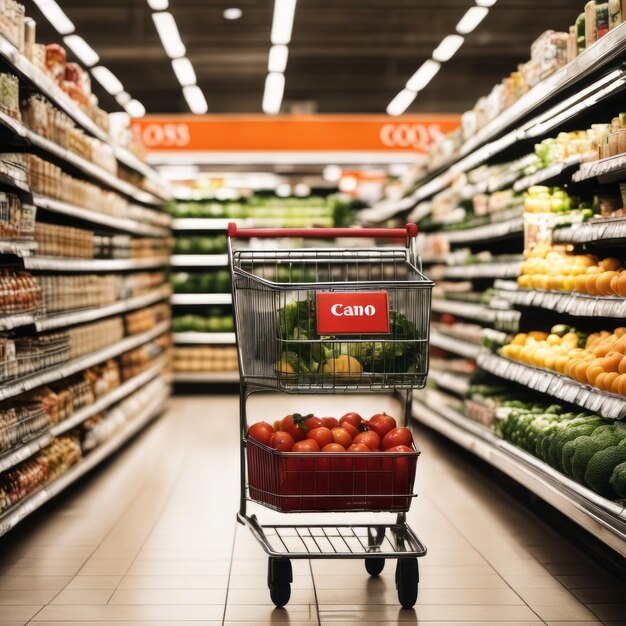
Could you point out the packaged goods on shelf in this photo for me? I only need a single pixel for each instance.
(95, 336)
(14, 167)
(25, 355)
(10, 96)
(17, 218)
(205, 359)
(20, 423)
(140, 359)
(20, 292)
(145, 319)
(72, 292)
(140, 283)
(12, 22)
(64, 241)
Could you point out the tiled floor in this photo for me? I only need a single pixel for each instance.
(151, 539)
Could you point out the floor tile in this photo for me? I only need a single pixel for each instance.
(24, 596)
(175, 582)
(169, 596)
(115, 613)
(83, 596)
(95, 582)
(607, 612)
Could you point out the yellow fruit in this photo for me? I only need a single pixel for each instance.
(553, 340)
(561, 362)
(538, 335)
(591, 284)
(621, 284)
(610, 264)
(524, 281)
(520, 339)
(620, 332)
(569, 284)
(550, 361)
(580, 283)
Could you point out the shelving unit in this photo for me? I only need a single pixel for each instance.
(547, 174)
(190, 299)
(483, 270)
(60, 264)
(199, 260)
(609, 232)
(454, 345)
(206, 377)
(204, 338)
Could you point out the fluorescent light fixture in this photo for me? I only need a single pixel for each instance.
(158, 5)
(423, 76)
(233, 13)
(107, 79)
(123, 98)
(85, 53)
(195, 99)
(485, 3)
(401, 102)
(55, 15)
(331, 173)
(134, 108)
(273, 95)
(447, 48)
(169, 35)
(472, 18)
(277, 61)
(184, 71)
(282, 22)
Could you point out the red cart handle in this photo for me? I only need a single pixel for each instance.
(410, 230)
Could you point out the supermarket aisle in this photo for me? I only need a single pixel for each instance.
(151, 539)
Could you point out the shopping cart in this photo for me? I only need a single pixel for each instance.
(330, 320)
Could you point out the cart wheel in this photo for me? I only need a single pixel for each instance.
(279, 578)
(374, 565)
(407, 578)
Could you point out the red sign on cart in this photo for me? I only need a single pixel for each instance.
(341, 313)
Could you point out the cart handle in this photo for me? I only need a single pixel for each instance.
(410, 230)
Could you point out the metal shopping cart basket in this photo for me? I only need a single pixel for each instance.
(330, 320)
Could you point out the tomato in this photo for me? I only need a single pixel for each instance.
(369, 438)
(312, 422)
(358, 447)
(341, 436)
(333, 447)
(351, 418)
(288, 425)
(351, 429)
(261, 431)
(330, 422)
(307, 445)
(397, 437)
(321, 435)
(277, 425)
(282, 441)
(381, 423)
(400, 449)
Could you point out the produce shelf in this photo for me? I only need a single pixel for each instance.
(546, 174)
(503, 319)
(124, 224)
(201, 298)
(483, 270)
(87, 315)
(18, 248)
(64, 264)
(497, 230)
(199, 260)
(204, 338)
(605, 170)
(554, 384)
(458, 383)
(206, 377)
(454, 345)
(607, 231)
(13, 388)
(12, 516)
(603, 518)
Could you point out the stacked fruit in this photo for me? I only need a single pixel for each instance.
(598, 360)
(351, 433)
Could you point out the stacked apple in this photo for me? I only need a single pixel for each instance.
(350, 433)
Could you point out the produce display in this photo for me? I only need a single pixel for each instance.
(209, 323)
(201, 245)
(201, 282)
(205, 359)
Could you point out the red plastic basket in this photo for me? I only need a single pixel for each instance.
(295, 482)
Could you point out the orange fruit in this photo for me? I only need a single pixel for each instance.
(622, 366)
(593, 372)
(610, 264)
(622, 385)
(580, 371)
(620, 345)
(603, 283)
(621, 284)
(617, 383)
(607, 382)
(610, 363)
(600, 380)
(591, 284)
(580, 283)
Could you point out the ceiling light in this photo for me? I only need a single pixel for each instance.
(273, 95)
(348, 183)
(277, 61)
(158, 5)
(331, 173)
(169, 35)
(485, 3)
(472, 18)
(232, 14)
(283, 190)
(401, 102)
(134, 108)
(55, 15)
(423, 76)
(282, 22)
(447, 48)
(107, 79)
(184, 71)
(195, 99)
(85, 53)
(123, 98)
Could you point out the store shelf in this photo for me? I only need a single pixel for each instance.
(454, 345)
(12, 516)
(204, 338)
(496, 230)
(13, 388)
(199, 260)
(605, 170)
(549, 173)
(483, 270)
(206, 377)
(64, 264)
(16, 321)
(478, 312)
(9, 176)
(603, 518)
(201, 298)
(20, 248)
(123, 224)
(457, 383)
(202, 223)
(607, 231)
(70, 318)
(554, 384)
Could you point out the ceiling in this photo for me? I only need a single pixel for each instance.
(345, 56)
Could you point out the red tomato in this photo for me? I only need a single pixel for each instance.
(288, 425)
(352, 418)
(342, 437)
(307, 445)
(351, 429)
(321, 435)
(358, 447)
(400, 449)
(261, 431)
(369, 438)
(282, 441)
(312, 422)
(397, 437)
(381, 423)
(330, 422)
(333, 447)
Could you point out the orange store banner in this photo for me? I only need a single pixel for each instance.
(291, 133)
